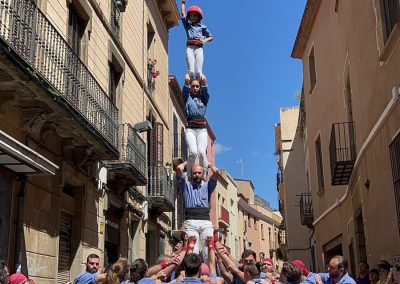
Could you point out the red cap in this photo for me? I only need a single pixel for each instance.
(195, 9)
(204, 270)
(301, 266)
(17, 278)
(268, 260)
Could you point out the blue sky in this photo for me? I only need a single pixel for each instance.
(250, 76)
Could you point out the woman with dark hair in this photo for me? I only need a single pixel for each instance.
(118, 272)
(138, 273)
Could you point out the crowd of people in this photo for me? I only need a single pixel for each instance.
(184, 266)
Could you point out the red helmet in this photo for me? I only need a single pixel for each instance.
(195, 9)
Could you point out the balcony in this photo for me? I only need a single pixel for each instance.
(223, 217)
(47, 82)
(279, 180)
(130, 170)
(160, 190)
(306, 210)
(342, 152)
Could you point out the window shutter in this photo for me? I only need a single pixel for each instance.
(394, 150)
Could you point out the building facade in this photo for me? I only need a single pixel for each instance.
(85, 133)
(292, 187)
(258, 222)
(351, 127)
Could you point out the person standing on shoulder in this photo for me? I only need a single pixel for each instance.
(197, 35)
(195, 99)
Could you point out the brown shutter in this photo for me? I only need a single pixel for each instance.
(394, 150)
(65, 248)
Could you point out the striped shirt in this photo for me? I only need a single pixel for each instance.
(195, 196)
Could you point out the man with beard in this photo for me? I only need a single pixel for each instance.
(90, 275)
(337, 272)
(196, 195)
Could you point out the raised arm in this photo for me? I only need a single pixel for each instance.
(215, 172)
(183, 11)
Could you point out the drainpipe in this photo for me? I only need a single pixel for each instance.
(19, 232)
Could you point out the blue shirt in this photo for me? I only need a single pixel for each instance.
(195, 196)
(346, 279)
(190, 280)
(364, 280)
(195, 30)
(236, 279)
(85, 278)
(144, 280)
(195, 106)
(310, 279)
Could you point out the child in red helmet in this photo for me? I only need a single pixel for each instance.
(197, 35)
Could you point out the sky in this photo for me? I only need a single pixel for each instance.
(250, 77)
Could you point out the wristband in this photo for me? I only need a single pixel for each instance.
(163, 265)
(210, 246)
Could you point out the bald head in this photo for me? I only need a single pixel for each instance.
(197, 172)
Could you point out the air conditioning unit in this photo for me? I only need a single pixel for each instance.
(101, 178)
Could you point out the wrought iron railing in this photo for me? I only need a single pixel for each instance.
(26, 32)
(342, 152)
(279, 177)
(160, 184)
(133, 149)
(115, 18)
(306, 209)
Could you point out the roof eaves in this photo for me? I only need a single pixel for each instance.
(306, 26)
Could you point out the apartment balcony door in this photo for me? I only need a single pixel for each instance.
(6, 186)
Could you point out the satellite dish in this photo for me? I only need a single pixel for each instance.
(145, 210)
(102, 181)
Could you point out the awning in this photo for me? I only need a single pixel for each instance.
(21, 159)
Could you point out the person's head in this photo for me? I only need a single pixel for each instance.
(195, 87)
(17, 278)
(384, 268)
(191, 264)
(251, 272)
(337, 267)
(197, 173)
(92, 263)
(248, 257)
(363, 268)
(163, 258)
(118, 272)
(194, 14)
(301, 266)
(374, 275)
(204, 269)
(267, 265)
(290, 273)
(138, 269)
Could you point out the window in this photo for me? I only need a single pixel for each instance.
(390, 10)
(255, 223)
(249, 221)
(269, 238)
(150, 57)
(184, 149)
(175, 149)
(113, 83)
(75, 32)
(115, 18)
(394, 150)
(320, 167)
(262, 232)
(311, 69)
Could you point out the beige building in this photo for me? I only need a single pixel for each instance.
(292, 187)
(351, 125)
(227, 211)
(258, 225)
(86, 131)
